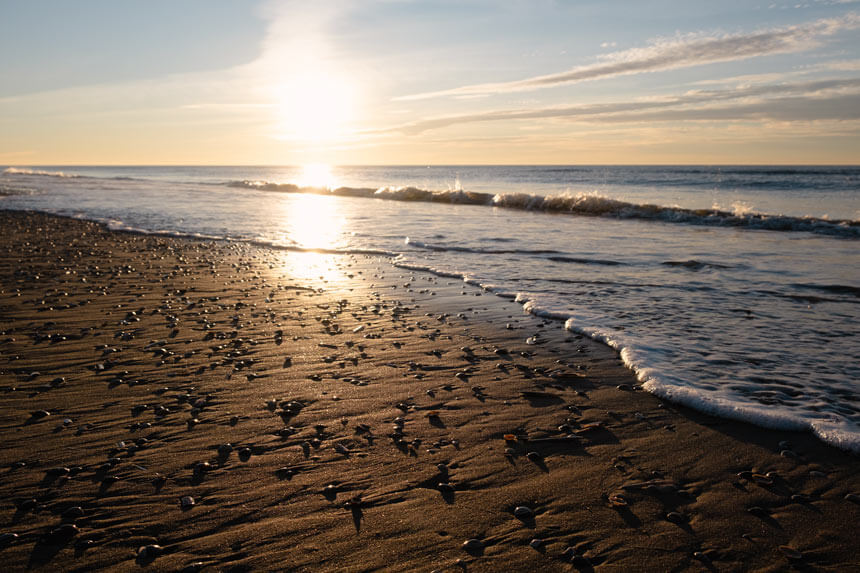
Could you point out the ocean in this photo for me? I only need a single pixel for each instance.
(732, 290)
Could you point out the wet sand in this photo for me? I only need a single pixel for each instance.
(181, 405)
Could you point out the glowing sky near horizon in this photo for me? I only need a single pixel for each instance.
(442, 82)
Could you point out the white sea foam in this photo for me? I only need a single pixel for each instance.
(739, 324)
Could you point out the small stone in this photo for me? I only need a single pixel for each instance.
(523, 512)
(64, 532)
(676, 517)
(147, 552)
(791, 553)
(473, 545)
(73, 513)
(536, 543)
(8, 539)
(186, 502)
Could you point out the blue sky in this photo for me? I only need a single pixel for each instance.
(399, 81)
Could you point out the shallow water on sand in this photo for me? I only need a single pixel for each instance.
(732, 290)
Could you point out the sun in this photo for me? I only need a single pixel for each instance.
(314, 105)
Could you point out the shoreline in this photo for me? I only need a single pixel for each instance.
(160, 361)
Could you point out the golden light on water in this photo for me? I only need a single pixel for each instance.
(318, 175)
(313, 222)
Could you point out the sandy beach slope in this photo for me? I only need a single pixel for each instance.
(181, 405)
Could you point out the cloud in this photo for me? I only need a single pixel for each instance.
(831, 99)
(666, 54)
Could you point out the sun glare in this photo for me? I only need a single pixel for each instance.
(317, 175)
(312, 221)
(314, 106)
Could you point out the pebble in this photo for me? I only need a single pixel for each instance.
(473, 545)
(536, 543)
(73, 513)
(523, 512)
(146, 552)
(186, 502)
(7, 538)
(676, 517)
(791, 553)
(64, 531)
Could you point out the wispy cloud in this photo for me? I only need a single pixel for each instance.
(666, 54)
(830, 99)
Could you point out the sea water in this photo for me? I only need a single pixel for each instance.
(733, 290)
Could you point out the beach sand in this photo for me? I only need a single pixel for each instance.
(185, 405)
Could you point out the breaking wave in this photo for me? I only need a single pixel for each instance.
(583, 204)
(23, 171)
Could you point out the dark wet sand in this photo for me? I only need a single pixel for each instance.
(366, 408)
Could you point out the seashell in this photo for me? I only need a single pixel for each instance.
(473, 545)
(791, 553)
(523, 512)
(186, 502)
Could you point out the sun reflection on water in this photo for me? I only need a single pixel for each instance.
(318, 175)
(314, 224)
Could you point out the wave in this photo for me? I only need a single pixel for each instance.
(835, 289)
(637, 358)
(592, 204)
(695, 265)
(39, 172)
(442, 248)
(583, 204)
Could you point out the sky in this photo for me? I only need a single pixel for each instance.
(279, 82)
